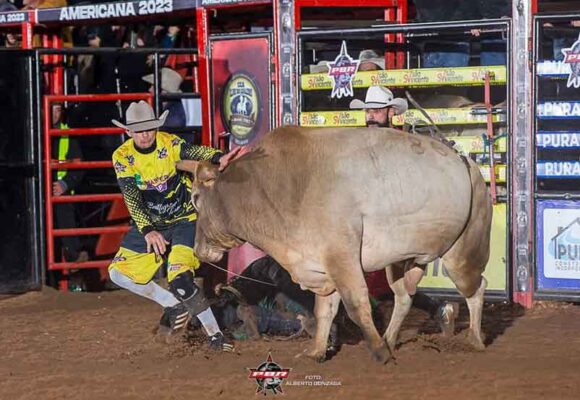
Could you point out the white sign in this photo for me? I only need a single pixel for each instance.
(561, 243)
(115, 10)
(559, 109)
(8, 18)
(557, 140)
(558, 169)
(552, 68)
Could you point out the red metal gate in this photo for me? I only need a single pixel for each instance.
(50, 165)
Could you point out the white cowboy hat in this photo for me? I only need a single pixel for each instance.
(372, 57)
(380, 97)
(141, 117)
(319, 68)
(170, 80)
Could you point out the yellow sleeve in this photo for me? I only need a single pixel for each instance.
(131, 193)
(183, 150)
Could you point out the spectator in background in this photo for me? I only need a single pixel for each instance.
(65, 148)
(370, 61)
(457, 53)
(6, 6)
(34, 4)
(12, 41)
(133, 66)
(171, 84)
(169, 39)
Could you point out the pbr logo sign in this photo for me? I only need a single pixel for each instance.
(341, 71)
(241, 108)
(572, 57)
(269, 376)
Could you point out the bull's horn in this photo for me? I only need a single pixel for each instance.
(187, 165)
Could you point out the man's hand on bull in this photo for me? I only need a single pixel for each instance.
(156, 242)
(232, 155)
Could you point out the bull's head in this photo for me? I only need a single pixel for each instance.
(211, 238)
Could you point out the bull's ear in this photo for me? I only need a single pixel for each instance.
(206, 173)
(187, 165)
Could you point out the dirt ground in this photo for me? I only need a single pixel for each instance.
(100, 346)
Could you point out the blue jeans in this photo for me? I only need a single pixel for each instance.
(493, 52)
(446, 55)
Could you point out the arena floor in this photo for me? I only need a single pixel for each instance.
(100, 346)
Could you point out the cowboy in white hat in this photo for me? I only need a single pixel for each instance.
(158, 197)
(370, 61)
(380, 106)
(170, 80)
(170, 83)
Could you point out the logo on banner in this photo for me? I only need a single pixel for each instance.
(560, 238)
(269, 376)
(241, 106)
(565, 246)
(572, 57)
(341, 71)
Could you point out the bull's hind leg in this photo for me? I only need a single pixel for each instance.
(348, 277)
(325, 310)
(466, 260)
(475, 305)
(395, 276)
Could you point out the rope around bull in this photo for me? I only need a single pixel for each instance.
(241, 276)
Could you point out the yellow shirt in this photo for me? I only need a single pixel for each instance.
(155, 192)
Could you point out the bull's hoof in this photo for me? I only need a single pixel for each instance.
(381, 354)
(475, 341)
(317, 356)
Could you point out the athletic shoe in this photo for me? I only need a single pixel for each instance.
(218, 342)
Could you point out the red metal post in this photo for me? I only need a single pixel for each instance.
(48, 179)
(390, 57)
(99, 230)
(85, 131)
(402, 13)
(58, 70)
(203, 74)
(87, 198)
(80, 164)
(50, 165)
(26, 29)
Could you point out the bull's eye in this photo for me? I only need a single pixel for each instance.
(194, 199)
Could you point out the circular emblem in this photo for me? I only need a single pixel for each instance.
(241, 108)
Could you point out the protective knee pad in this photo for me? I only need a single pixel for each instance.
(186, 291)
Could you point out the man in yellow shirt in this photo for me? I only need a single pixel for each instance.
(158, 197)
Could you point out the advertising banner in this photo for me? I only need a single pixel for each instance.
(558, 244)
(13, 18)
(495, 272)
(462, 76)
(440, 116)
(241, 95)
(113, 10)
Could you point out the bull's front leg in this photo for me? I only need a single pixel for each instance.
(396, 279)
(325, 309)
(351, 285)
